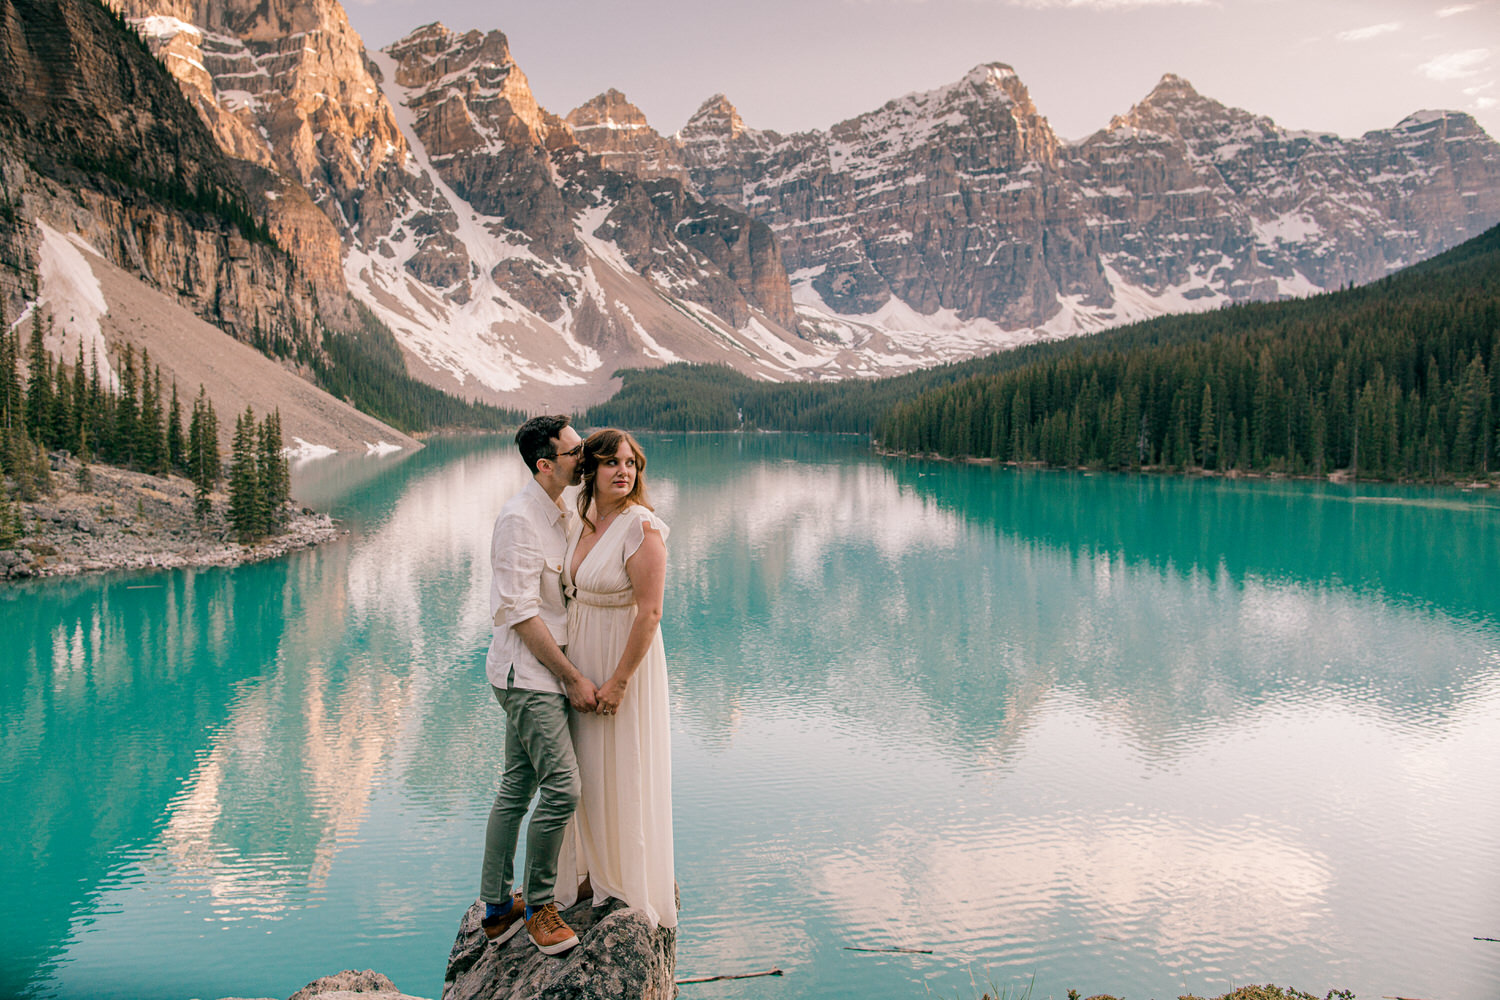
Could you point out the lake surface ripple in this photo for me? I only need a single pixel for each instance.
(1136, 735)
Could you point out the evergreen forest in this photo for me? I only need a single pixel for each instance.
(365, 369)
(133, 424)
(1398, 379)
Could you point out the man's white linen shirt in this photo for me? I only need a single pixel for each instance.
(526, 555)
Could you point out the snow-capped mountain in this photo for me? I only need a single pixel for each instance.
(961, 203)
(522, 257)
(98, 145)
(1267, 211)
(509, 263)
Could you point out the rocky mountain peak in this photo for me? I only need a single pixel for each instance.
(434, 51)
(1170, 109)
(716, 132)
(986, 85)
(716, 120)
(305, 50)
(1452, 123)
(989, 104)
(612, 128)
(1172, 87)
(610, 110)
(478, 67)
(286, 85)
(995, 78)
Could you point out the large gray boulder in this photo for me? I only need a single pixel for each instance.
(619, 957)
(351, 984)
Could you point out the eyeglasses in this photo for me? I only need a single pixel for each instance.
(572, 452)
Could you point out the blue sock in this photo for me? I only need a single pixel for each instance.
(492, 910)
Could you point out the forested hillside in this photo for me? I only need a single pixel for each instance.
(688, 397)
(1400, 378)
(368, 371)
(1395, 380)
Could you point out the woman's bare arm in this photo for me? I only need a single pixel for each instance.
(647, 569)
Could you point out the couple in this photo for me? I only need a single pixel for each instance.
(600, 649)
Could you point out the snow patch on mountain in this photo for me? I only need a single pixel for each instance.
(73, 295)
(463, 338)
(1292, 227)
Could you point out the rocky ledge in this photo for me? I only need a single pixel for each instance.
(107, 518)
(347, 985)
(618, 956)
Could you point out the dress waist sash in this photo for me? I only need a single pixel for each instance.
(600, 598)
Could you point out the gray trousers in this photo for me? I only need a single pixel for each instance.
(538, 759)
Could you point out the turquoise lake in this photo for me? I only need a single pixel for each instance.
(1124, 734)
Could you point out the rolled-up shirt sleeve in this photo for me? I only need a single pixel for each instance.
(517, 559)
(526, 557)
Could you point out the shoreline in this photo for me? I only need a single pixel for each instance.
(1338, 476)
(126, 520)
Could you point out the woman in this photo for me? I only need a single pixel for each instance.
(613, 576)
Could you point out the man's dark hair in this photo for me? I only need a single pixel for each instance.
(535, 438)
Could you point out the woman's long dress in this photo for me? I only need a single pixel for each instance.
(624, 760)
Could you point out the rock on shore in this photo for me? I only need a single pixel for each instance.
(347, 985)
(618, 956)
(120, 519)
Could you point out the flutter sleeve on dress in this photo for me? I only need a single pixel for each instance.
(635, 531)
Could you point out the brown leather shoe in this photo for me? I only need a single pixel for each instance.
(586, 890)
(502, 928)
(548, 931)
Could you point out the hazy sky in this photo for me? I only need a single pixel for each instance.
(1344, 66)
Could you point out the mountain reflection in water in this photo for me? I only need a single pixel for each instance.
(1132, 734)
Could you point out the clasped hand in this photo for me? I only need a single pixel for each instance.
(602, 700)
(582, 694)
(610, 694)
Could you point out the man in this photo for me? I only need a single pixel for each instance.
(534, 681)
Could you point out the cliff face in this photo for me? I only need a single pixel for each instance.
(507, 157)
(428, 182)
(286, 86)
(537, 235)
(521, 257)
(961, 204)
(1195, 192)
(946, 200)
(100, 142)
(616, 131)
(472, 109)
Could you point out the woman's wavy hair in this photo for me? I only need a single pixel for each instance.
(603, 444)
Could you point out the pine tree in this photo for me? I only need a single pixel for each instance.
(38, 384)
(176, 447)
(10, 522)
(1208, 444)
(100, 413)
(150, 448)
(26, 462)
(82, 405)
(246, 507)
(157, 427)
(41, 471)
(61, 433)
(203, 453)
(275, 475)
(12, 417)
(1471, 441)
(126, 430)
(11, 413)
